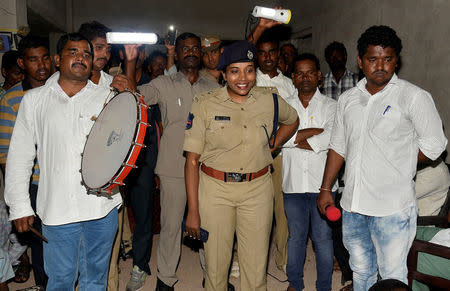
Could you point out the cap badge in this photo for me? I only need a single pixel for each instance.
(249, 55)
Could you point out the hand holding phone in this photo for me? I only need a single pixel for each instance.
(204, 234)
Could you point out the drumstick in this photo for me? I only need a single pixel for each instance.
(33, 230)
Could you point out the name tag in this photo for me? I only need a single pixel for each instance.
(222, 118)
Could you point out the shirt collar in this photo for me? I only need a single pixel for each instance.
(180, 76)
(261, 74)
(317, 97)
(362, 84)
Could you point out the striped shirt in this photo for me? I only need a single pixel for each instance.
(9, 106)
(333, 89)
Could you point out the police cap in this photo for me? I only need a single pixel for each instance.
(237, 52)
(210, 43)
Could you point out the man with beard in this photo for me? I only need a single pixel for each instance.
(383, 128)
(304, 157)
(339, 79)
(268, 75)
(34, 59)
(95, 32)
(174, 94)
(211, 53)
(52, 124)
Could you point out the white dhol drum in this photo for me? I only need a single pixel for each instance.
(114, 143)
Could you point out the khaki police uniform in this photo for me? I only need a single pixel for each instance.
(230, 137)
(173, 94)
(204, 73)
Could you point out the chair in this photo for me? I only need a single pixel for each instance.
(441, 220)
(429, 248)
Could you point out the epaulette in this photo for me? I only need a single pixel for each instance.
(268, 89)
(205, 95)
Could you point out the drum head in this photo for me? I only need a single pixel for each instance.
(109, 141)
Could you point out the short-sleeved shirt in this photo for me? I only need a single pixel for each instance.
(173, 94)
(233, 137)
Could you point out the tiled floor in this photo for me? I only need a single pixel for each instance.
(190, 274)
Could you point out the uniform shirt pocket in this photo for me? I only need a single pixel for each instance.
(222, 134)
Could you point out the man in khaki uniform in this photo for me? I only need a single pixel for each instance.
(228, 133)
(211, 53)
(174, 94)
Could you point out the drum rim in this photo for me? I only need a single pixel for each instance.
(130, 150)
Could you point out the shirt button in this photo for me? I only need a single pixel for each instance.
(245, 126)
(242, 109)
(242, 169)
(222, 127)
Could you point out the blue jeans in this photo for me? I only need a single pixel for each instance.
(301, 212)
(83, 247)
(378, 244)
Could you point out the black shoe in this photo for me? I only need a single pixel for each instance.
(230, 286)
(160, 286)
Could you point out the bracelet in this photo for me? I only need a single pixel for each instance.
(324, 189)
(169, 55)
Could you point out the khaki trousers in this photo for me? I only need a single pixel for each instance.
(247, 209)
(173, 203)
(281, 225)
(127, 235)
(113, 275)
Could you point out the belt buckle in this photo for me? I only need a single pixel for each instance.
(236, 177)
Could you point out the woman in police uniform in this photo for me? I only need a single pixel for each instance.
(227, 133)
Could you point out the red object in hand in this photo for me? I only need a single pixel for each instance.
(333, 213)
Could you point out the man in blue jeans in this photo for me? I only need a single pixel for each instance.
(383, 127)
(52, 124)
(304, 157)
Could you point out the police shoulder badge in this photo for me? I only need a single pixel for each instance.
(249, 55)
(189, 121)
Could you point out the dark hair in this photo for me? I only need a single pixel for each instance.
(93, 29)
(334, 46)
(379, 35)
(289, 45)
(31, 41)
(185, 36)
(389, 285)
(268, 37)
(156, 54)
(9, 59)
(308, 56)
(72, 37)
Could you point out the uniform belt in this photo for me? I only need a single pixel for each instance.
(233, 177)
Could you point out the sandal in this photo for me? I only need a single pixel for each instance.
(22, 270)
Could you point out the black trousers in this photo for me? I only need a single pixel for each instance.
(37, 252)
(142, 190)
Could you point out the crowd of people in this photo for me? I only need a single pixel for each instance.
(238, 134)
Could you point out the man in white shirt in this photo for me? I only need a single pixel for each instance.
(304, 157)
(268, 75)
(52, 123)
(383, 127)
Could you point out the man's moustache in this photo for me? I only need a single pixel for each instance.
(81, 64)
(194, 57)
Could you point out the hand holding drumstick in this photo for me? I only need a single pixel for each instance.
(25, 224)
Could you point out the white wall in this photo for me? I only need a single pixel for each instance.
(423, 26)
(13, 14)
